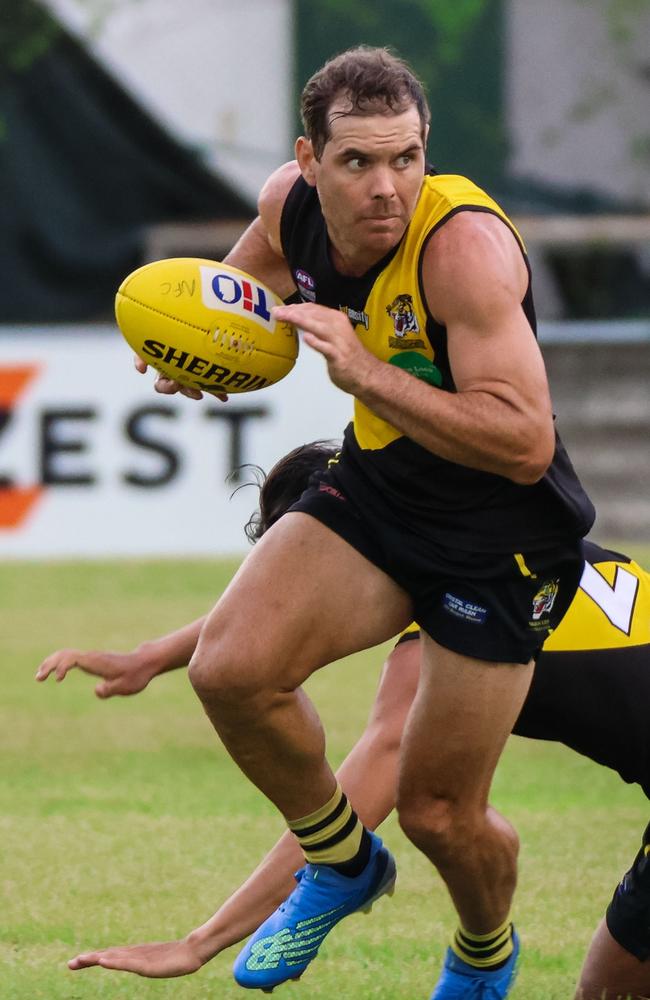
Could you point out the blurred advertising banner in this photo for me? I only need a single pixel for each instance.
(93, 462)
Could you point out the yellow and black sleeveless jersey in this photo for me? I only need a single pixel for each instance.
(591, 686)
(381, 468)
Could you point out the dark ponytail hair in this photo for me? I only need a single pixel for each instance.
(286, 482)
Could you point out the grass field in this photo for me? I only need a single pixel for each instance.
(125, 820)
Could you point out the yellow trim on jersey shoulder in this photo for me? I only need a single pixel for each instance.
(453, 191)
(397, 314)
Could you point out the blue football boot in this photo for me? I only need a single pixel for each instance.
(460, 981)
(286, 943)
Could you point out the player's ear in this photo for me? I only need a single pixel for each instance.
(306, 159)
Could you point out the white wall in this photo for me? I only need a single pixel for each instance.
(578, 100)
(216, 73)
(69, 420)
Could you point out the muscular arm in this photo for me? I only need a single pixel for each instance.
(500, 418)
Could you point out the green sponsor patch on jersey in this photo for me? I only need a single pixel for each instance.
(416, 364)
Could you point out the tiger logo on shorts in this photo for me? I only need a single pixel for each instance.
(544, 599)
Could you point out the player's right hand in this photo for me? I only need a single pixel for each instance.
(121, 673)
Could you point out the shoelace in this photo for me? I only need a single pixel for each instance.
(299, 875)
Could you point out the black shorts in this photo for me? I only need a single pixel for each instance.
(495, 607)
(628, 915)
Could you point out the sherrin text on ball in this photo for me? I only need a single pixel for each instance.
(205, 324)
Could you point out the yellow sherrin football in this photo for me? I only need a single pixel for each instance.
(205, 324)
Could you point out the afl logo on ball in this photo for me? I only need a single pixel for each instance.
(224, 291)
(305, 285)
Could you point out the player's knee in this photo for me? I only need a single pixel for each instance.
(219, 675)
(382, 738)
(436, 825)
(206, 675)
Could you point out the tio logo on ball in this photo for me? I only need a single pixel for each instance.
(222, 290)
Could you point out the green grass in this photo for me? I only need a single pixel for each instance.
(126, 821)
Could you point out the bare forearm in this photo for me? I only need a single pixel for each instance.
(369, 779)
(496, 423)
(173, 650)
(266, 888)
(473, 428)
(253, 902)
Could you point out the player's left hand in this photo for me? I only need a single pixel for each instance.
(121, 673)
(159, 960)
(331, 333)
(169, 387)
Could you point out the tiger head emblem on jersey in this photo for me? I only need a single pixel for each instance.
(403, 315)
(544, 599)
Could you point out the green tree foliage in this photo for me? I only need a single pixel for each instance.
(622, 17)
(452, 23)
(26, 31)
(455, 48)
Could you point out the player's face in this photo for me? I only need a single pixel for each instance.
(368, 181)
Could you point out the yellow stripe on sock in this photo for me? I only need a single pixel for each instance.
(344, 848)
(482, 938)
(328, 831)
(498, 943)
(320, 814)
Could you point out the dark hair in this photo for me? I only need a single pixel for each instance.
(374, 79)
(285, 483)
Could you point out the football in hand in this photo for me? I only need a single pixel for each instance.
(205, 324)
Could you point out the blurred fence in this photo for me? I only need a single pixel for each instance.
(599, 369)
(600, 383)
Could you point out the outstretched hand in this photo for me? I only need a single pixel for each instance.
(158, 960)
(121, 673)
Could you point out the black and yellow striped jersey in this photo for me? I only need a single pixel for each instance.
(380, 467)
